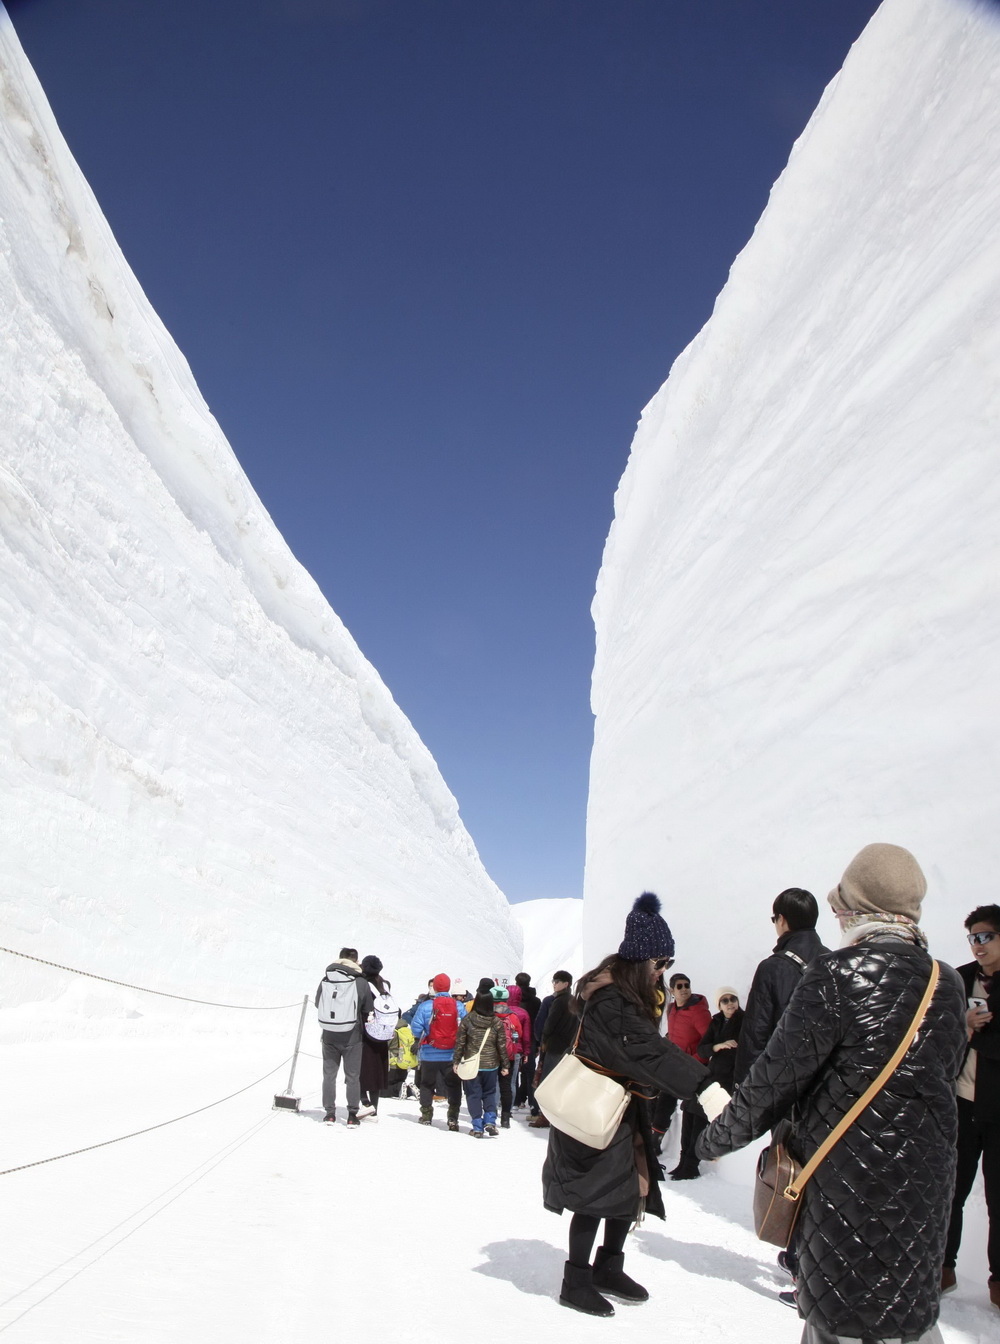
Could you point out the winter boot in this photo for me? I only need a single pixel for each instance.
(505, 1120)
(610, 1277)
(426, 1114)
(453, 1121)
(578, 1292)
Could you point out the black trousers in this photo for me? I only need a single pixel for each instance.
(976, 1142)
(438, 1074)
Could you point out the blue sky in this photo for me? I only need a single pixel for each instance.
(428, 260)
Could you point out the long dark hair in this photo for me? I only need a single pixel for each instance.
(630, 978)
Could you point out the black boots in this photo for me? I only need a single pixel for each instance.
(578, 1292)
(453, 1121)
(610, 1277)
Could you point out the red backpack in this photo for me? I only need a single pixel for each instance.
(442, 1030)
(511, 1029)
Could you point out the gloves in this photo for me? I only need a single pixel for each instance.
(713, 1100)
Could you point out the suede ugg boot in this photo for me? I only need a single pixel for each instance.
(610, 1277)
(578, 1292)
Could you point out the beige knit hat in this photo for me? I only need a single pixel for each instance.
(724, 989)
(882, 878)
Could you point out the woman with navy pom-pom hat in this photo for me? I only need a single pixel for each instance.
(618, 1005)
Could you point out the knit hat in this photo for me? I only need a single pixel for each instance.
(881, 878)
(485, 985)
(724, 989)
(441, 983)
(458, 988)
(499, 993)
(646, 932)
(371, 966)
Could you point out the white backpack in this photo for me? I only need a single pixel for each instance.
(338, 1000)
(383, 1018)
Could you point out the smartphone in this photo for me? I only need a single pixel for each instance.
(977, 1003)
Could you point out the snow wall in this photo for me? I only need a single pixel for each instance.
(206, 788)
(797, 613)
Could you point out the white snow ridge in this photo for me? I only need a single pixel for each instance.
(206, 786)
(797, 616)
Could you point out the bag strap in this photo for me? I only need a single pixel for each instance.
(794, 1190)
(793, 956)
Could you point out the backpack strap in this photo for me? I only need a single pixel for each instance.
(793, 956)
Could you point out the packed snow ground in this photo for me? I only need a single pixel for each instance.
(247, 1226)
(798, 634)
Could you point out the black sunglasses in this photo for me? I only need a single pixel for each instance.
(981, 938)
(729, 998)
(663, 963)
(682, 984)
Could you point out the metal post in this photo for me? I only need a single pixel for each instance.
(298, 1042)
(287, 1100)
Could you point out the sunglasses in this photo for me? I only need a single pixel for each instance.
(775, 918)
(663, 963)
(682, 984)
(729, 998)
(981, 938)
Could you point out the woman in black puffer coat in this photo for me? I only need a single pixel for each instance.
(618, 1032)
(870, 1236)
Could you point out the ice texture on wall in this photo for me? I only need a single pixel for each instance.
(205, 785)
(797, 613)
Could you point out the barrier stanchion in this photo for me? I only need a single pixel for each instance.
(289, 1100)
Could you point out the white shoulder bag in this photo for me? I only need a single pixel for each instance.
(580, 1101)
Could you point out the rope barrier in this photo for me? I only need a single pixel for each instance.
(210, 1003)
(149, 1128)
(215, 1160)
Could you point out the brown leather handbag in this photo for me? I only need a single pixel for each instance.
(777, 1191)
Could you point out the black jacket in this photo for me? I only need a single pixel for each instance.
(721, 1063)
(874, 1216)
(605, 1182)
(775, 981)
(560, 1024)
(986, 1043)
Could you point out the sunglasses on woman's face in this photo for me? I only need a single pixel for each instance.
(729, 998)
(662, 963)
(981, 938)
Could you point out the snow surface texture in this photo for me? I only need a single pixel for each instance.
(553, 938)
(247, 1226)
(797, 617)
(206, 786)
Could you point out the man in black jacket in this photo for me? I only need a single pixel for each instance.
(794, 915)
(979, 1093)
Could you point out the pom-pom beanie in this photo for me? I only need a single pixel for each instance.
(646, 932)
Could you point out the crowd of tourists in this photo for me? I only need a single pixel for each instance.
(879, 1223)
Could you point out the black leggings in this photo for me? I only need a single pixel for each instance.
(583, 1233)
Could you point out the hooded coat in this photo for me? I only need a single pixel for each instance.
(612, 1182)
(871, 1233)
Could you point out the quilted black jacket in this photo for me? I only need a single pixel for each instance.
(605, 1182)
(872, 1228)
(775, 981)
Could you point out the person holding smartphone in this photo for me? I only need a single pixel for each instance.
(979, 1094)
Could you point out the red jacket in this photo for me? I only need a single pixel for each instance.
(686, 1026)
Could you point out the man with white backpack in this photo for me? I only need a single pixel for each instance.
(343, 1001)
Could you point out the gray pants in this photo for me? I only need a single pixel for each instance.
(335, 1049)
(813, 1335)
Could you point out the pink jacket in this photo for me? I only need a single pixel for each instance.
(514, 999)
